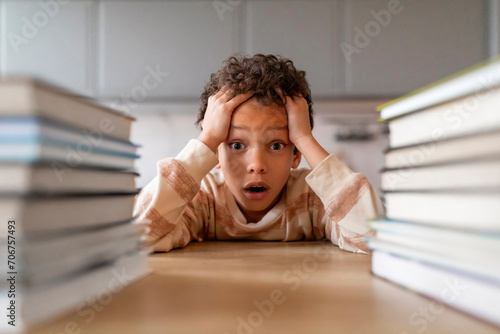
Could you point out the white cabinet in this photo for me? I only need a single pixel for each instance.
(494, 27)
(392, 47)
(183, 42)
(49, 40)
(304, 31)
(134, 51)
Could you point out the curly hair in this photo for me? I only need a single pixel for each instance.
(262, 74)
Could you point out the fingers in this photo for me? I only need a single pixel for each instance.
(225, 98)
(280, 93)
(225, 101)
(294, 104)
(297, 99)
(239, 99)
(288, 98)
(226, 95)
(222, 95)
(218, 94)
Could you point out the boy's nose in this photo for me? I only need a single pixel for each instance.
(257, 163)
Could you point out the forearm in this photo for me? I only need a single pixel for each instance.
(312, 151)
(350, 203)
(163, 202)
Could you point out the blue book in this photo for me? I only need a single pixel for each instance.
(39, 140)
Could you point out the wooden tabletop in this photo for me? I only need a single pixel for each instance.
(264, 287)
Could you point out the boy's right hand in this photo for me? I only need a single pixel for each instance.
(215, 125)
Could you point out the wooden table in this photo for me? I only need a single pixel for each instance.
(264, 287)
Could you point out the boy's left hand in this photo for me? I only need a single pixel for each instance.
(300, 132)
(299, 126)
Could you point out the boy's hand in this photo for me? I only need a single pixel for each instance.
(300, 132)
(299, 126)
(217, 118)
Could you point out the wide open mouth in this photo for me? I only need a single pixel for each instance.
(256, 189)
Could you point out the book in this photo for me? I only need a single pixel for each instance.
(449, 119)
(454, 288)
(466, 245)
(454, 175)
(472, 209)
(480, 145)
(64, 154)
(480, 270)
(35, 305)
(469, 81)
(441, 188)
(67, 193)
(22, 129)
(41, 259)
(486, 240)
(50, 178)
(62, 213)
(26, 97)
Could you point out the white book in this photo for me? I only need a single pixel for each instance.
(41, 259)
(44, 302)
(475, 210)
(474, 268)
(480, 247)
(58, 214)
(475, 146)
(464, 292)
(447, 120)
(468, 174)
(24, 178)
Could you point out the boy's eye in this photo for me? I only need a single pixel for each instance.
(236, 146)
(277, 146)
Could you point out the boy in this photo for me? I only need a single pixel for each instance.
(256, 120)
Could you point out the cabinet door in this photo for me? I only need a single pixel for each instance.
(494, 28)
(392, 47)
(48, 40)
(182, 42)
(304, 31)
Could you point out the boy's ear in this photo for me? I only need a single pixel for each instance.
(296, 159)
(218, 166)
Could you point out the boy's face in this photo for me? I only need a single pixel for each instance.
(257, 157)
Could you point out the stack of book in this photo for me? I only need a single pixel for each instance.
(441, 185)
(67, 188)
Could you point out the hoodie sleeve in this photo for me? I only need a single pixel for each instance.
(166, 203)
(350, 203)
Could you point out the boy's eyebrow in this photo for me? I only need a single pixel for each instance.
(268, 128)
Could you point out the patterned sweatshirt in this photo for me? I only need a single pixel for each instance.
(186, 201)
